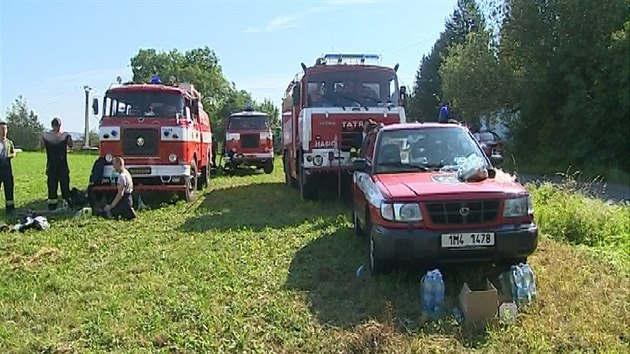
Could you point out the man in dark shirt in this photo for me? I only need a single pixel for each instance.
(57, 143)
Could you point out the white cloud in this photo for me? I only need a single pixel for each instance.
(292, 20)
(277, 24)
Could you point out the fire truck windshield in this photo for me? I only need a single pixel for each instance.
(248, 123)
(143, 104)
(352, 88)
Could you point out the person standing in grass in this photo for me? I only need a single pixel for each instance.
(122, 205)
(57, 143)
(7, 153)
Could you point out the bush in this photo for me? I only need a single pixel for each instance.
(568, 214)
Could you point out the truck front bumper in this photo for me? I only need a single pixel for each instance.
(511, 242)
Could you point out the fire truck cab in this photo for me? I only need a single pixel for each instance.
(323, 113)
(249, 140)
(162, 132)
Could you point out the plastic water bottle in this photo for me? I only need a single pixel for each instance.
(438, 293)
(518, 289)
(433, 293)
(530, 281)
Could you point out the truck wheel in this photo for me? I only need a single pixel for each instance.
(205, 178)
(288, 180)
(378, 265)
(307, 192)
(191, 184)
(356, 224)
(268, 167)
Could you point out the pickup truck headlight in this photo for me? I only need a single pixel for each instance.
(518, 207)
(405, 212)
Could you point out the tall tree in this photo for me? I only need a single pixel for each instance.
(24, 126)
(198, 66)
(471, 78)
(271, 109)
(427, 94)
(568, 57)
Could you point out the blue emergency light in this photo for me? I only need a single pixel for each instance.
(156, 79)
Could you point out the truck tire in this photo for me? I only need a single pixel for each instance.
(288, 180)
(307, 191)
(268, 167)
(191, 184)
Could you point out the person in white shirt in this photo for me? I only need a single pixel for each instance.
(122, 205)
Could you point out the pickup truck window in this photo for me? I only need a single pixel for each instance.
(427, 149)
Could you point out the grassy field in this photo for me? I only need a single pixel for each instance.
(251, 268)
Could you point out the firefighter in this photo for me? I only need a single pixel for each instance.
(358, 141)
(57, 143)
(7, 153)
(215, 149)
(122, 205)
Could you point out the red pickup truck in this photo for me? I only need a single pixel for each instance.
(427, 191)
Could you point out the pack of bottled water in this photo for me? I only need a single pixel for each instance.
(471, 168)
(432, 292)
(520, 283)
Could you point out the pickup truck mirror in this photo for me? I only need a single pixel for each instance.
(403, 96)
(360, 164)
(195, 107)
(296, 95)
(496, 160)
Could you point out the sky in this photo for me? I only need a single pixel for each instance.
(51, 49)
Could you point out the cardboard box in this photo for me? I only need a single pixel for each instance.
(479, 306)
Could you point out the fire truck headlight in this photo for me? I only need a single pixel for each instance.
(109, 158)
(172, 158)
(318, 160)
(309, 158)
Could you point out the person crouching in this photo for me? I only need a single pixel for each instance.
(122, 205)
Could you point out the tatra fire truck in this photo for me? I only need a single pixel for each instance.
(162, 132)
(323, 113)
(249, 140)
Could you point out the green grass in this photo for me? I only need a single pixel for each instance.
(565, 214)
(251, 268)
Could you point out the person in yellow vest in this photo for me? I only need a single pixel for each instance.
(7, 153)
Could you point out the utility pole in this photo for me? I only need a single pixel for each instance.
(86, 139)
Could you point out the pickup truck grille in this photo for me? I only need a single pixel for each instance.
(250, 141)
(469, 212)
(140, 142)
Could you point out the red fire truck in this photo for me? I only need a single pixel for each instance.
(323, 113)
(162, 132)
(249, 140)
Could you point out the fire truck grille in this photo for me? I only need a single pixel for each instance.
(249, 141)
(463, 212)
(140, 142)
(348, 139)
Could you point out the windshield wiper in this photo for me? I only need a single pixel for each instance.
(404, 165)
(354, 100)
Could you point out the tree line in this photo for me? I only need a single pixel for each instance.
(555, 72)
(199, 66)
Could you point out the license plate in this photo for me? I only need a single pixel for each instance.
(139, 170)
(468, 239)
